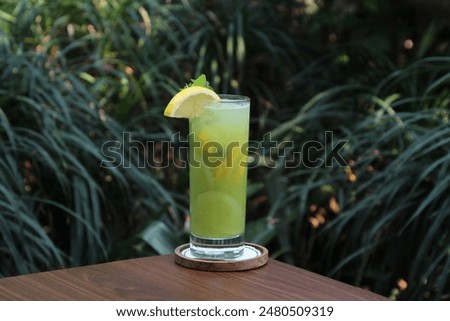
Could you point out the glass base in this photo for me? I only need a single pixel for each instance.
(217, 248)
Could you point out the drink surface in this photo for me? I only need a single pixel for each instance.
(218, 173)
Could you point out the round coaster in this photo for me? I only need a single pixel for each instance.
(254, 256)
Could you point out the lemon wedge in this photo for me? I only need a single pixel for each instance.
(190, 101)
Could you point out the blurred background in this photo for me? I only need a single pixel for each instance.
(75, 75)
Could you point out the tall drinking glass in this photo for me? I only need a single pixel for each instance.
(218, 140)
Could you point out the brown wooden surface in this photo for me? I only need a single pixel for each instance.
(160, 278)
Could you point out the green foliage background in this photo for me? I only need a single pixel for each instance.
(75, 75)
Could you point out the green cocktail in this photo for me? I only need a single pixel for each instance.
(218, 177)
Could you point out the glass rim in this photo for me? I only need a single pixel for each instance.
(232, 98)
(227, 101)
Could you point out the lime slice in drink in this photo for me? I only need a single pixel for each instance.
(217, 215)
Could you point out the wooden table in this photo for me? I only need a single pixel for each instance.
(160, 278)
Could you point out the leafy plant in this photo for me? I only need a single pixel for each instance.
(59, 206)
(377, 218)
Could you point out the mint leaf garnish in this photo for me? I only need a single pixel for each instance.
(200, 81)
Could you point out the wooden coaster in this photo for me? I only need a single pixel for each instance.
(255, 257)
